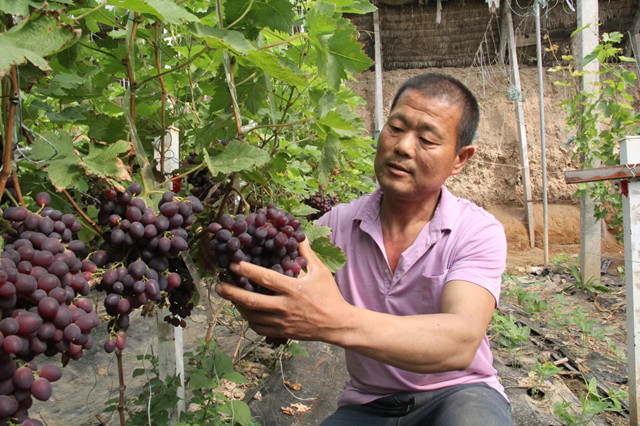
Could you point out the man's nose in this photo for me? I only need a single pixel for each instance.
(405, 144)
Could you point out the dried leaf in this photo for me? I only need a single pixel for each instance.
(301, 408)
(288, 411)
(293, 386)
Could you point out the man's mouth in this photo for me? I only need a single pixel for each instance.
(398, 166)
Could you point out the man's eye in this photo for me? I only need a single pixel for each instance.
(395, 129)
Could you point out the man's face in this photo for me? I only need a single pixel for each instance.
(417, 147)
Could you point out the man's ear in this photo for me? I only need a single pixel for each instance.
(462, 157)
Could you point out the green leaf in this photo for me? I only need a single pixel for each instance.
(138, 372)
(103, 161)
(329, 161)
(235, 377)
(269, 63)
(107, 129)
(345, 54)
(235, 157)
(275, 14)
(223, 363)
(19, 7)
(229, 40)
(238, 411)
(166, 10)
(332, 256)
(320, 20)
(354, 6)
(296, 350)
(199, 380)
(338, 124)
(315, 232)
(32, 40)
(63, 163)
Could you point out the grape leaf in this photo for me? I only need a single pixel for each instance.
(269, 63)
(315, 232)
(32, 40)
(166, 10)
(236, 156)
(63, 164)
(332, 256)
(19, 7)
(339, 124)
(232, 41)
(354, 6)
(103, 161)
(344, 55)
(329, 161)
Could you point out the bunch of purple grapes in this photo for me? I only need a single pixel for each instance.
(267, 237)
(179, 298)
(141, 244)
(42, 275)
(321, 202)
(19, 384)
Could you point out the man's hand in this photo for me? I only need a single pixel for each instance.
(304, 308)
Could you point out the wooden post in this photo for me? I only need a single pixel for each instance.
(629, 168)
(590, 228)
(630, 153)
(505, 33)
(522, 131)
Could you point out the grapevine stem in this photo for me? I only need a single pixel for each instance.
(8, 140)
(299, 35)
(242, 331)
(16, 186)
(214, 320)
(176, 68)
(122, 386)
(89, 12)
(82, 213)
(163, 98)
(185, 174)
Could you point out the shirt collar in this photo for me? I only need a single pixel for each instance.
(444, 218)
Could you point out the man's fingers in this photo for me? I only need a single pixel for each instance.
(268, 278)
(246, 299)
(305, 250)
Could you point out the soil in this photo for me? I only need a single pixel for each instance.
(494, 180)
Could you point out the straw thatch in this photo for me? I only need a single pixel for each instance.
(469, 31)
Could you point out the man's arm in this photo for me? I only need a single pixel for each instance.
(312, 308)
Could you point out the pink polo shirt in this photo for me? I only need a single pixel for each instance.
(461, 242)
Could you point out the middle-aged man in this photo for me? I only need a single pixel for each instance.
(422, 277)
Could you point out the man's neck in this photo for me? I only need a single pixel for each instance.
(397, 215)
(401, 223)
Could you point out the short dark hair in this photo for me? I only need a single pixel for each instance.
(448, 88)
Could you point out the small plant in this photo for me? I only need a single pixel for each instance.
(566, 262)
(591, 404)
(207, 387)
(542, 372)
(509, 334)
(530, 301)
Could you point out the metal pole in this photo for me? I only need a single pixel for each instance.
(542, 135)
(379, 107)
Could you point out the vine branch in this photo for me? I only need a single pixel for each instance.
(8, 140)
(81, 212)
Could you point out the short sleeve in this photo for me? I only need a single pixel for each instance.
(480, 254)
